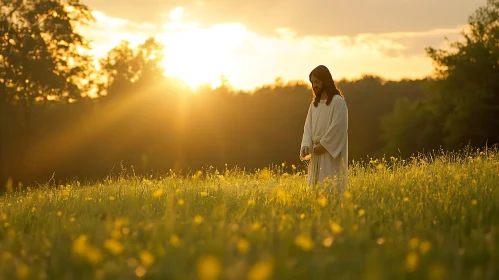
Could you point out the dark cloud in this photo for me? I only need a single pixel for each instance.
(306, 17)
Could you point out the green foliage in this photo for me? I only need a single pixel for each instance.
(463, 102)
(370, 99)
(41, 55)
(124, 66)
(425, 218)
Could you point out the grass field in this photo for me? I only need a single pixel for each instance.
(425, 218)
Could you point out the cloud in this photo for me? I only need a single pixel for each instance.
(408, 44)
(318, 17)
(108, 31)
(202, 53)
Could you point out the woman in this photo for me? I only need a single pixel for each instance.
(325, 135)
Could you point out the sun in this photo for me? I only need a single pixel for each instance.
(200, 55)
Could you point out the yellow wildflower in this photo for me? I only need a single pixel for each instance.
(282, 195)
(256, 226)
(328, 241)
(243, 246)
(361, 212)
(264, 174)
(208, 268)
(146, 258)
(198, 219)
(260, 271)
(125, 231)
(158, 193)
(336, 228)
(79, 244)
(22, 271)
(322, 201)
(119, 222)
(114, 246)
(140, 271)
(413, 243)
(347, 195)
(424, 247)
(411, 261)
(81, 248)
(304, 242)
(93, 255)
(197, 175)
(175, 240)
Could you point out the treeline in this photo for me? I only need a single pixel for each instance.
(158, 125)
(61, 114)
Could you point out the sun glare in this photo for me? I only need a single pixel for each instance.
(199, 56)
(176, 14)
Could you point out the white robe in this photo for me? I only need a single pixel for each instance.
(329, 123)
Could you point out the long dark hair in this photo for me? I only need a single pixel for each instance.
(322, 73)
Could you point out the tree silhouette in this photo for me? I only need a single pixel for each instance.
(125, 65)
(461, 106)
(467, 96)
(42, 57)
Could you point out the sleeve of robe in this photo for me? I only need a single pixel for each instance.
(307, 131)
(336, 134)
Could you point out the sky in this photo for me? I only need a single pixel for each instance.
(252, 43)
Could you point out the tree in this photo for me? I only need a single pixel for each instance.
(409, 129)
(461, 105)
(42, 57)
(467, 86)
(41, 53)
(125, 65)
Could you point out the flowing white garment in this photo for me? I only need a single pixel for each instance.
(328, 124)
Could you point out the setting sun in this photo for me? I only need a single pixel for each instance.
(201, 56)
(196, 55)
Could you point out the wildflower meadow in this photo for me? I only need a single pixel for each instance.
(428, 217)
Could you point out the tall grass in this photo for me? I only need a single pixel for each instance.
(430, 217)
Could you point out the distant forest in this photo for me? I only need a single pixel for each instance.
(62, 115)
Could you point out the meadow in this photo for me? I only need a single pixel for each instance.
(428, 217)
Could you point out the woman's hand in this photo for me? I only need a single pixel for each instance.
(319, 149)
(305, 151)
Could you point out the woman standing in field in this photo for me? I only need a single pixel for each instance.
(325, 135)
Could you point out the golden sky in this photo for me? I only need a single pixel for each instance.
(253, 42)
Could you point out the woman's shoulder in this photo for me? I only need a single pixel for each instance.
(338, 100)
